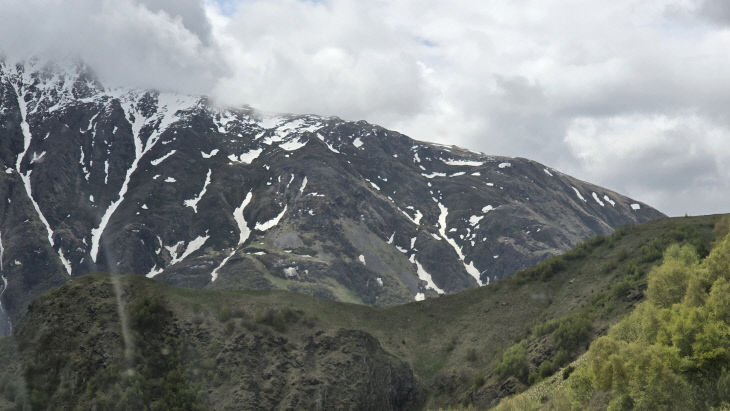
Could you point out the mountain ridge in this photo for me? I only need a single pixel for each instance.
(179, 189)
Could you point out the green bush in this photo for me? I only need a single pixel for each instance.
(513, 362)
(572, 332)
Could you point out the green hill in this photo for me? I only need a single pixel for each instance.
(190, 349)
(671, 353)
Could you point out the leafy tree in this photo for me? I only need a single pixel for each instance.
(673, 351)
(668, 281)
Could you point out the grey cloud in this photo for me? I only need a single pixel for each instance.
(191, 12)
(717, 11)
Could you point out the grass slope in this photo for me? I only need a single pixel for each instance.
(473, 347)
(669, 353)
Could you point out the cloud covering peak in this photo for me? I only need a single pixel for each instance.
(627, 94)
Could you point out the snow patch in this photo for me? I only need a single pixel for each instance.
(293, 145)
(636, 206)
(434, 174)
(598, 200)
(193, 203)
(170, 180)
(474, 220)
(504, 165)
(209, 155)
(470, 163)
(271, 223)
(580, 196)
(547, 172)
(64, 261)
(425, 276)
(37, 157)
(304, 185)
(392, 237)
(192, 247)
(163, 158)
(607, 198)
(154, 271)
(247, 157)
(361, 258)
(416, 220)
(357, 143)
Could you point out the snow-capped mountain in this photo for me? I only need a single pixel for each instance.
(176, 188)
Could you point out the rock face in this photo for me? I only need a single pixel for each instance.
(179, 189)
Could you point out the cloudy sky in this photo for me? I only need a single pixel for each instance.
(629, 94)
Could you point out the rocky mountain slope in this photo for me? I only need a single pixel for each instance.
(179, 189)
(203, 349)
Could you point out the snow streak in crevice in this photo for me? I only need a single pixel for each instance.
(271, 223)
(140, 149)
(425, 276)
(244, 233)
(473, 271)
(25, 177)
(193, 203)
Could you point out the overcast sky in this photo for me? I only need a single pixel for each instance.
(633, 95)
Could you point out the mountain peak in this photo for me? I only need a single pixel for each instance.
(177, 188)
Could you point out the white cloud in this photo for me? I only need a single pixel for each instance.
(631, 94)
(125, 41)
(681, 161)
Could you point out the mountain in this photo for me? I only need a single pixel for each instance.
(218, 349)
(182, 190)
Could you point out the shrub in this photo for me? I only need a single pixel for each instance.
(513, 362)
(572, 333)
(668, 281)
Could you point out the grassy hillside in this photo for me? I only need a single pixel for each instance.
(670, 353)
(205, 347)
